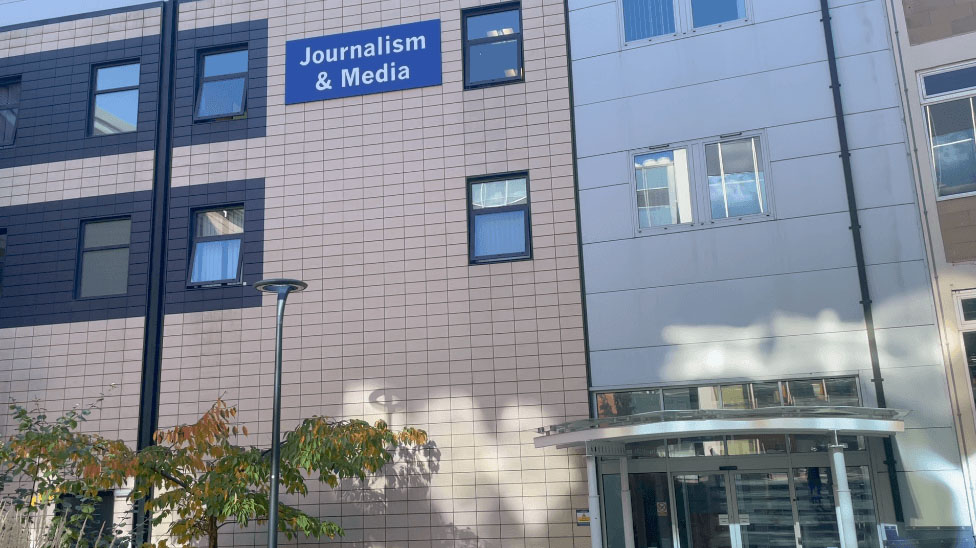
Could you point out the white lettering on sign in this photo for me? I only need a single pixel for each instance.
(389, 72)
(383, 46)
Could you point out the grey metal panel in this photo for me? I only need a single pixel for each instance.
(858, 26)
(754, 249)
(604, 170)
(837, 353)
(811, 185)
(902, 294)
(931, 449)
(892, 234)
(882, 176)
(916, 388)
(580, 4)
(760, 101)
(875, 128)
(933, 498)
(594, 30)
(868, 82)
(596, 203)
(789, 304)
(909, 346)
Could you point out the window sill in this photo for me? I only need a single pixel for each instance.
(489, 261)
(482, 85)
(954, 196)
(685, 34)
(671, 229)
(215, 285)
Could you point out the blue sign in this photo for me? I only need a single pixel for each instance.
(363, 62)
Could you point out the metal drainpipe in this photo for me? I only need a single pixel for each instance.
(153, 328)
(862, 275)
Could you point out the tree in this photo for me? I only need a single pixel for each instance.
(202, 481)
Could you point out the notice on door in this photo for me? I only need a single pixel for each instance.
(363, 62)
(583, 518)
(662, 509)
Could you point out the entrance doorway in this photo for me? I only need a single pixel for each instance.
(770, 501)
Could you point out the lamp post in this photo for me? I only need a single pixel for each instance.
(280, 287)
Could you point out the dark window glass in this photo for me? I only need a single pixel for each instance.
(953, 80)
(98, 526)
(704, 446)
(9, 107)
(969, 342)
(223, 84)
(115, 99)
(968, 310)
(768, 394)
(842, 392)
(647, 18)
(492, 46)
(757, 444)
(613, 404)
(650, 506)
(3, 255)
(953, 146)
(702, 397)
(812, 443)
(736, 178)
(713, 12)
(217, 236)
(807, 392)
(104, 258)
(499, 220)
(737, 396)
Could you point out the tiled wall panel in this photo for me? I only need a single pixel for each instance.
(365, 200)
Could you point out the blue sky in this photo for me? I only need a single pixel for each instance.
(22, 11)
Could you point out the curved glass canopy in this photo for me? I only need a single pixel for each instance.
(867, 421)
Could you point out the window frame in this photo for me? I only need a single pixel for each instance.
(94, 92)
(82, 250)
(698, 175)
(193, 248)
(504, 257)
(688, 146)
(4, 251)
(200, 80)
(926, 101)
(684, 26)
(11, 80)
(466, 44)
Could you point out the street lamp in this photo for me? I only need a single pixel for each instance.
(281, 287)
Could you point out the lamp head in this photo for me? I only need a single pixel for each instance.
(276, 285)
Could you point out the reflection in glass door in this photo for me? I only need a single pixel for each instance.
(702, 508)
(652, 514)
(764, 508)
(816, 515)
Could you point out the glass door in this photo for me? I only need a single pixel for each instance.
(764, 509)
(702, 508)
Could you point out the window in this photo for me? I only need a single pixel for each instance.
(99, 524)
(650, 19)
(736, 185)
(104, 260)
(3, 255)
(9, 106)
(498, 217)
(705, 180)
(832, 391)
(966, 314)
(947, 97)
(217, 237)
(115, 99)
(663, 188)
(492, 46)
(222, 88)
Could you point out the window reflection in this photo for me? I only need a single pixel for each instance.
(736, 182)
(663, 188)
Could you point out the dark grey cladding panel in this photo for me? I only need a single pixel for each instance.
(254, 34)
(183, 202)
(42, 254)
(53, 119)
(40, 269)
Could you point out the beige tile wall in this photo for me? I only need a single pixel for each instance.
(58, 367)
(80, 32)
(929, 20)
(365, 200)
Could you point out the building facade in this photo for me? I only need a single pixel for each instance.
(753, 252)
(153, 168)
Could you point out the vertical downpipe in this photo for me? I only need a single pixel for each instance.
(152, 343)
(862, 275)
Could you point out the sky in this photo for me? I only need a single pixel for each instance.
(13, 12)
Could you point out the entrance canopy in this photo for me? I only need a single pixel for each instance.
(865, 421)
